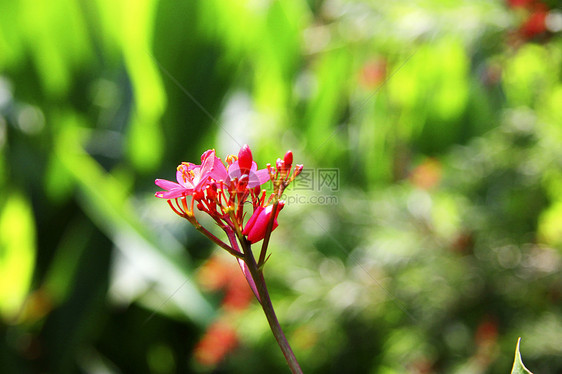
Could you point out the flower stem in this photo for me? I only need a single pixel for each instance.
(267, 306)
(215, 240)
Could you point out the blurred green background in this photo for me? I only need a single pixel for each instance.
(439, 245)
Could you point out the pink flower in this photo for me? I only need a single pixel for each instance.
(191, 178)
(237, 169)
(255, 177)
(257, 224)
(218, 172)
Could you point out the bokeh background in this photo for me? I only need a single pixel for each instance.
(438, 245)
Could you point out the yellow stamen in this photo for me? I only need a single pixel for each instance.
(230, 159)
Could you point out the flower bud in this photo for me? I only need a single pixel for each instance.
(288, 159)
(257, 224)
(298, 170)
(245, 159)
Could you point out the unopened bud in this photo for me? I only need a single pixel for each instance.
(245, 159)
(257, 225)
(288, 159)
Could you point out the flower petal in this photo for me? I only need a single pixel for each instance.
(184, 169)
(172, 194)
(234, 171)
(207, 161)
(258, 177)
(219, 172)
(166, 184)
(252, 220)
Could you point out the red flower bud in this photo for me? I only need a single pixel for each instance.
(245, 159)
(288, 159)
(257, 224)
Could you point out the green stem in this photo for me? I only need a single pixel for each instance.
(267, 306)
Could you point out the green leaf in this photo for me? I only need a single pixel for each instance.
(17, 253)
(518, 367)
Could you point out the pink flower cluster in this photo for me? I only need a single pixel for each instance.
(226, 191)
(222, 191)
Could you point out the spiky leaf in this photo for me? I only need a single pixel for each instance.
(518, 367)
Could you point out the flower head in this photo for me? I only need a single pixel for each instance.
(223, 191)
(191, 178)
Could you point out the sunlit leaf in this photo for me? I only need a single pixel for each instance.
(17, 253)
(60, 44)
(145, 142)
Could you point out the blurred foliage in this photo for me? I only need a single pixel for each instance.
(442, 245)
